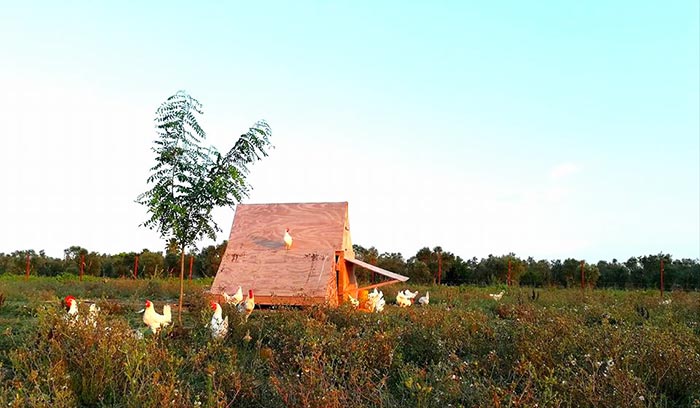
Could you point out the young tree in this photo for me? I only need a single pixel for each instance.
(190, 180)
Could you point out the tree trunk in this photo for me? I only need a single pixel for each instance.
(182, 285)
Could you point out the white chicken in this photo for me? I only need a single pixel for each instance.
(379, 306)
(424, 300)
(92, 315)
(372, 298)
(409, 294)
(375, 301)
(405, 298)
(235, 299)
(155, 320)
(402, 300)
(218, 324)
(287, 239)
(247, 306)
(94, 309)
(497, 296)
(72, 308)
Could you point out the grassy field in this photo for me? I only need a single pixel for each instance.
(599, 348)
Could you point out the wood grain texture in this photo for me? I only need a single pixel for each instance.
(256, 258)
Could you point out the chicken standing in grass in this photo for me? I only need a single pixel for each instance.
(72, 308)
(247, 306)
(155, 320)
(424, 300)
(375, 301)
(287, 239)
(379, 306)
(405, 298)
(94, 309)
(409, 294)
(372, 298)
(402, 300)
(497, 296)
(92, 315)
(236, 299)
(218, 324)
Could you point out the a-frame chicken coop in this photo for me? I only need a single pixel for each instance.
(318, 268)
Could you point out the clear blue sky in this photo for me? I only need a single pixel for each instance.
(551, 129)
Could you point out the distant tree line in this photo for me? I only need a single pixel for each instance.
(437, 265)
(426, 266)
(150, 264)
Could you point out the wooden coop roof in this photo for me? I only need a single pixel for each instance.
(256, 257)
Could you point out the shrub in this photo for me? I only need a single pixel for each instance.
(567, 348)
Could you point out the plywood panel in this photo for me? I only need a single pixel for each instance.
(257, 259)
(313, 226)
(276, 273)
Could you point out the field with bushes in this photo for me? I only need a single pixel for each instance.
(546, 348)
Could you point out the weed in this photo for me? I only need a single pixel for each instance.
(566, 348)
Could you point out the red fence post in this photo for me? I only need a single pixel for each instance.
(191, 260)
(26, 276)
(82, 265)
(509, 272)
(662, 279)
(136, 266)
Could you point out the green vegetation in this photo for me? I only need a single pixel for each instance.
(423, 268)
(550, 347)
(190, 180)
(150, 265)
(438, 265)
